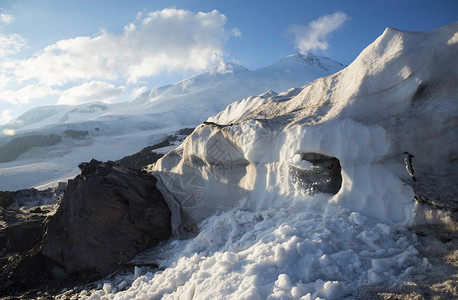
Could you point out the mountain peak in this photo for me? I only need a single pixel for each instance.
(307, 58)
(230, 67)
(311, 60)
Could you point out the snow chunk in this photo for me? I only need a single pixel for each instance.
(284, 282)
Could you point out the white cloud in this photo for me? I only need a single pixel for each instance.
(10, 44)
(5, 116)
(3, 80)
(94, 91)
(26, 94)
(167, 40)
(236, 32)
(137, 92)
(314, 36)
(6, 19)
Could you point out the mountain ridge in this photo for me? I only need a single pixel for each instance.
(289, 66)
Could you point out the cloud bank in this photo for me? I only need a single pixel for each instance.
(83, 69)
(314, 36)
(167, 40)
(93, 91)
(26, 94)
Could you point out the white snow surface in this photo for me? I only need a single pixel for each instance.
(117, 130)
(259, 234)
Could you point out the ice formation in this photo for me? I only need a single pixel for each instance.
(398, 95)
(261, 232)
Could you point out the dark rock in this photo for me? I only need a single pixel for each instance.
(216, 125)
(22, 271)
(185, 131)
(32, 198)
(108, 214)
(144, 157)
(23, 236)
(23, 217)
(147, 156)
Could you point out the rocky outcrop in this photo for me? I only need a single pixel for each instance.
(144, 157)
(108, 214)
(23, 218)
(148, 156)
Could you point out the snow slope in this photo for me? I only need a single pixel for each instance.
(116, 130)
(262, 233)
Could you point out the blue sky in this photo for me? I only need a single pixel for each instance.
(70, 52)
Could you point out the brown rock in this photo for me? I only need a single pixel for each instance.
(108, 214)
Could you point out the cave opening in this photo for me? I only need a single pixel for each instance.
(323, 176)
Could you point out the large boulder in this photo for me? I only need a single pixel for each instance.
(108, 214)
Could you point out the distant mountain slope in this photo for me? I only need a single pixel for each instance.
(116, 130)
(201, 95)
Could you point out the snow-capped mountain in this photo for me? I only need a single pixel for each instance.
(306, 194)
(111, 131)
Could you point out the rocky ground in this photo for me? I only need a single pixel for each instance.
(439, 244)
(105, 217)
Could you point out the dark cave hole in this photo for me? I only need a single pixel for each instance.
(423, 92)
(324, 176)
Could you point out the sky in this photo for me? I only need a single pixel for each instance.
(78, 51)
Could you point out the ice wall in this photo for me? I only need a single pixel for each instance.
(248, 166)
(399, 95)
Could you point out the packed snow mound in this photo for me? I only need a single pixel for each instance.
(281, 253)
(399, 95)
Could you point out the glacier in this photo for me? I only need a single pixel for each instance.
(246, 227)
